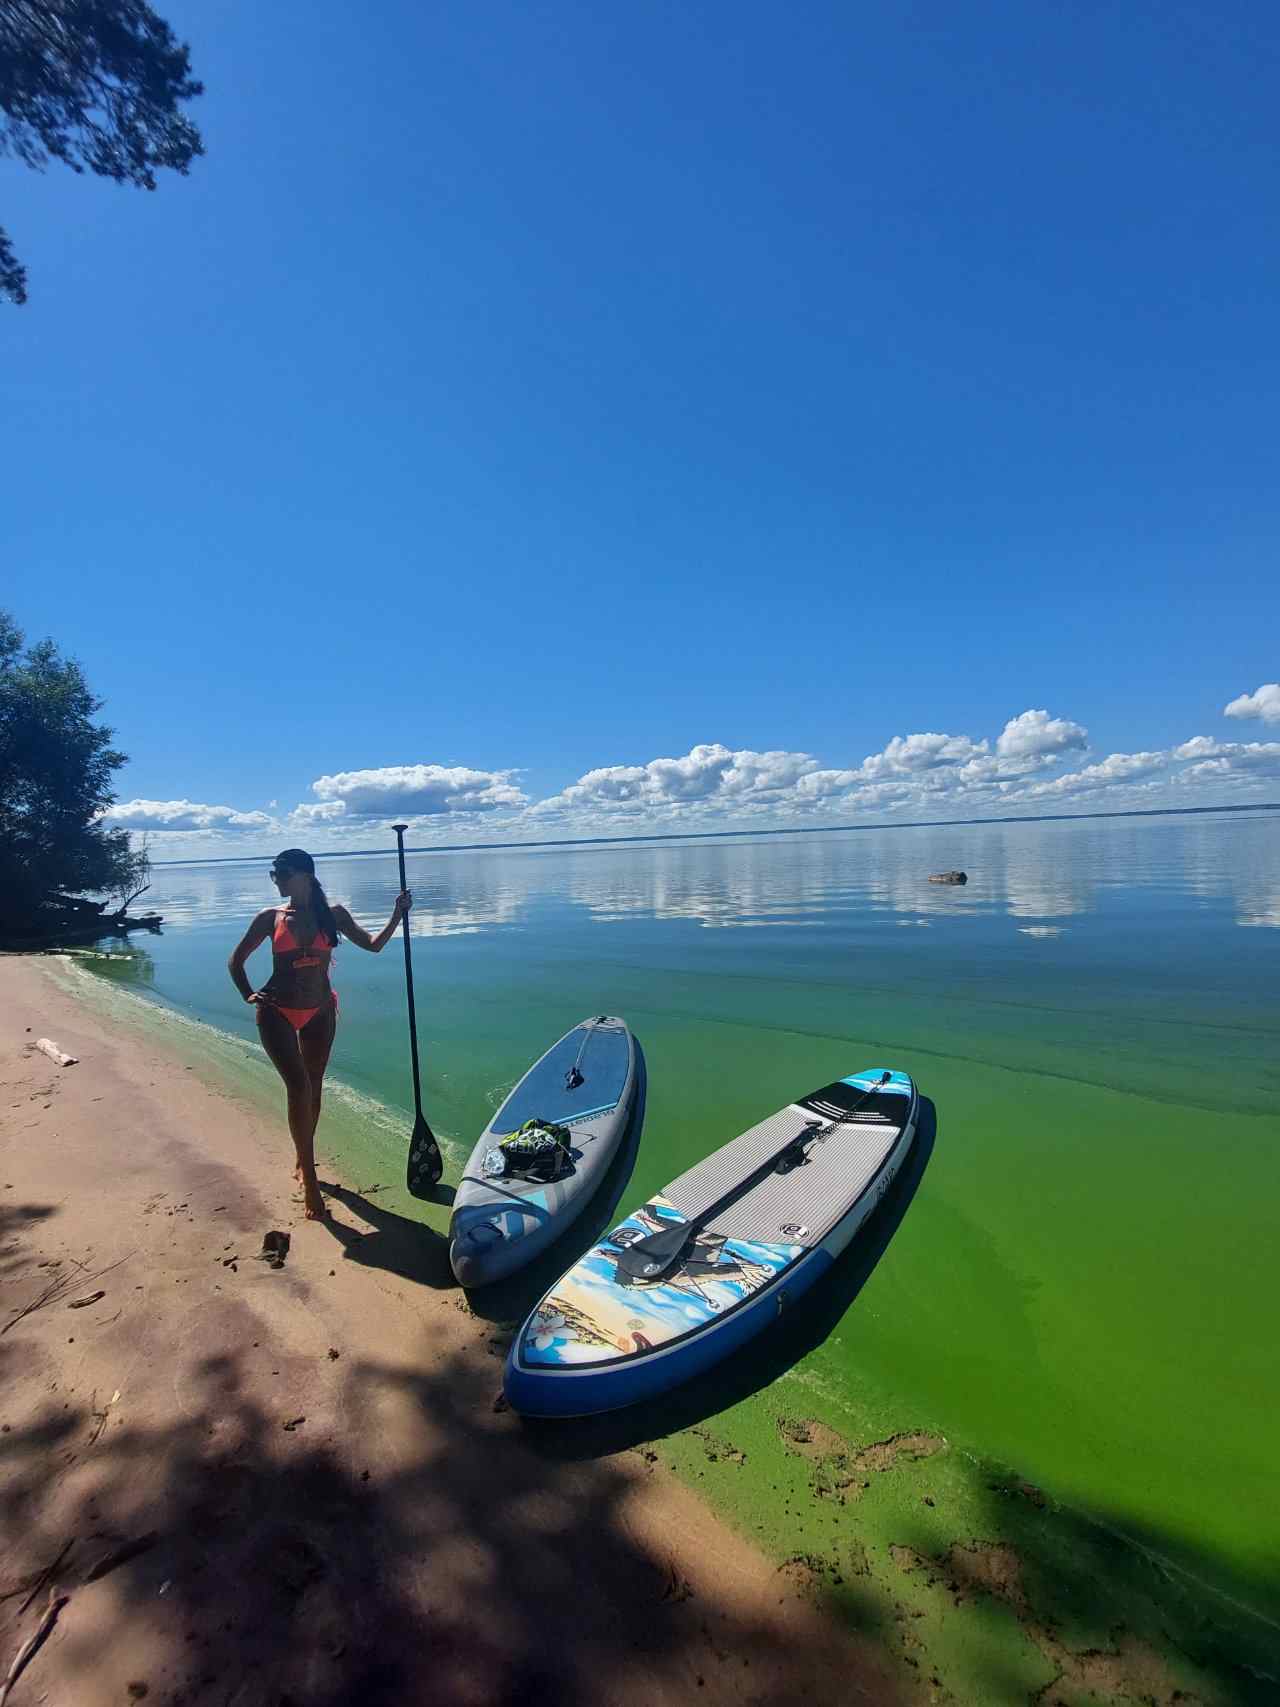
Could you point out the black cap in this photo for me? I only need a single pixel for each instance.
(296, 859)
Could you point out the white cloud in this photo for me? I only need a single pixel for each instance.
(938, 765)
(764, 773)
(426, 790)
(818, 786)
(1116, 768)
(923, 776)
(1252, 759)
(1255, 758)
(911, 754)
(709, 775)
(1122, 767)
(1264, 704)
(182, 815)
(318, 812)
(1034, 738)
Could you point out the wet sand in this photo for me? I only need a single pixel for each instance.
(328, 1504)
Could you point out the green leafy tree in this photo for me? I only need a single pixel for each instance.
(96, 84)
(56, 766)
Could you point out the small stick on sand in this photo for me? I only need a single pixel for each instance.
(53, 1290)
(46, 1575)
(29, 1647)
(56, 1288)
(120, 1556)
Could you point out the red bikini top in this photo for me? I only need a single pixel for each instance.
(283, 941)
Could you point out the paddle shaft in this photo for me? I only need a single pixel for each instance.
(664, 1247)
(408, 979)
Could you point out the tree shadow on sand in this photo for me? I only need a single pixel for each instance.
(462, 1569)
(761, 1362)
(410, 1543)
(15, 1218)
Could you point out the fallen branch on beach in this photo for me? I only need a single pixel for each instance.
(47, 1574)
(32, 1584)
(55, 1289)
(48, 1047)
(52, 1292)
(121, 1555)
(29, 1647)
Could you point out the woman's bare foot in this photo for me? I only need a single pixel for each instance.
(314, 1206)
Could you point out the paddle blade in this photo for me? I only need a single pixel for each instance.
(655, 1253)
(426, 1164)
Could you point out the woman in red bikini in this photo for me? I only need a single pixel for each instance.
(297, 1008)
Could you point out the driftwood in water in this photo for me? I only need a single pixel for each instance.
(114, 924)
(52, 933)
(950, 877)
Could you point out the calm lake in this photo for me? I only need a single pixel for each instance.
(1085, 1282)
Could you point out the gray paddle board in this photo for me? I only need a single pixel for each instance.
(587, 1082)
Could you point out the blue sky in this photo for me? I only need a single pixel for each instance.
(515, 394)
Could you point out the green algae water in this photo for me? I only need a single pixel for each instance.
(1083, 1283)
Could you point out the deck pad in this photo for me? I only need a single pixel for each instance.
(597, 1054)
(807, 1202)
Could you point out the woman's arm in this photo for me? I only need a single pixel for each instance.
(357, 934)
(258, 932)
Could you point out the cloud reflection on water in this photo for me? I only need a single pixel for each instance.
(1025, 872)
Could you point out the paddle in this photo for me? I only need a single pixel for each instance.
(426, 1164)
(650, 1258)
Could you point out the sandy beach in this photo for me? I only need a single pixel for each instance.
(260, 1485)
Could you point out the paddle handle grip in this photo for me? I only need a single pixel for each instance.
(408, 978)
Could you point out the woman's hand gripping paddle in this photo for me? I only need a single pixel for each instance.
(426, 1164)
(651, 1257)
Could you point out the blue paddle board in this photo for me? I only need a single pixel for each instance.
(585, 1083)
(601, 1339)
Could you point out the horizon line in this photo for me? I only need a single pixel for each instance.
(722, 835)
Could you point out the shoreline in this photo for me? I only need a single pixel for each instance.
(889, 1528)
(238, 1068)
(340, 1512)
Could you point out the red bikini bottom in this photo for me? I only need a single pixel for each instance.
(299, 1018)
